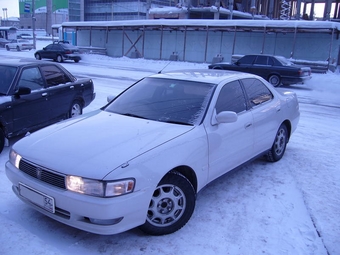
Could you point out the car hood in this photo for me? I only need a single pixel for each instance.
(96, 143)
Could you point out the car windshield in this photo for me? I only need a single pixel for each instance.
(7, 74)
(166, 100)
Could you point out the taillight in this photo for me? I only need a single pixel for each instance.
(68, 52)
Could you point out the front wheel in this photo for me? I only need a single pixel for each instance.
(279, 145)
(274, 80)
(171, 205)
(7, 48)
(76, 109)
(59, 59)
(76, 60)
(18, 48)
(37, 56)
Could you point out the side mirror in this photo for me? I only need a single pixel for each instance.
(110, 98)
(224, 117)
(23, 91)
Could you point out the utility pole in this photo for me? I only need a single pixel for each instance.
(33, 24)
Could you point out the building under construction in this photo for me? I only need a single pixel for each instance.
(46, 13)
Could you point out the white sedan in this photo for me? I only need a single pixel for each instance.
(19, 44)
(142, 158)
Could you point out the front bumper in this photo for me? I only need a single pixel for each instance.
(103, 216)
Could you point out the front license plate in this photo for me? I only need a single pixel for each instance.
(36, 197)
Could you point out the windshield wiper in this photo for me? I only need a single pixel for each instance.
(133, 115)
(176, 122)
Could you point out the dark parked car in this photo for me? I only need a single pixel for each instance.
(275, 69)
(36, 94)
(59, 51)
(3, 42)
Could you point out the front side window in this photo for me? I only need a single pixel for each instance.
(231, 98)
(166, 100)
(54, 75)
(7, 74)
(257, 92)
(31, 78)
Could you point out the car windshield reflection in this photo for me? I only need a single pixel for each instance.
(165, 100)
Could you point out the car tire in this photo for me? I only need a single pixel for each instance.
(76, 60)
(37, 56)
(76, 109)
(59, 59)
(217, 68)
(2, 140)
(274, 80)
(279, 145)
(171, 205)
(18, 48)
(7, 48)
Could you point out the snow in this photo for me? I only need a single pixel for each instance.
(211, 23)
(288, 207)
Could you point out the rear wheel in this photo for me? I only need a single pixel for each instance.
(171, 205)
(37, 56)
(76, 109)
(18, 48)
(274, 80)
(59, 59)
(76, 60)
(7, 48)
(279, 145)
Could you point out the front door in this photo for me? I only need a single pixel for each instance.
(30, 111)
(230, 144)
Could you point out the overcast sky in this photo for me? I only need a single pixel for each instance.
(12, 8)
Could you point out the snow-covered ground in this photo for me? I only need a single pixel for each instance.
(290, 207)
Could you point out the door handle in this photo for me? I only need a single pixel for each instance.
(72, 87)
(247, 125)
(44, 94)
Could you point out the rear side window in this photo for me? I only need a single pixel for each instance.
(246, 60)
(54, 75)
(261, 60)
(257, 92)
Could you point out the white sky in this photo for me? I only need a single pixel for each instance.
(13, 8)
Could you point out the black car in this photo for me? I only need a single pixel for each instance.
(36, 94)
(59, 51)
(275, 69)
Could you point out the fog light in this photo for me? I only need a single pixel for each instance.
(106, 222)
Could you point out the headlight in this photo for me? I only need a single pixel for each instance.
(99, 188)
(14, 158)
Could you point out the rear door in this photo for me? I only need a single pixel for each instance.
(265, 109)
(61, 91)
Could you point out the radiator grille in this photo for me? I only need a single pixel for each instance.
(42, 174)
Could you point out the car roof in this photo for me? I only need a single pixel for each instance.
(20, 63)
(203, 75)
